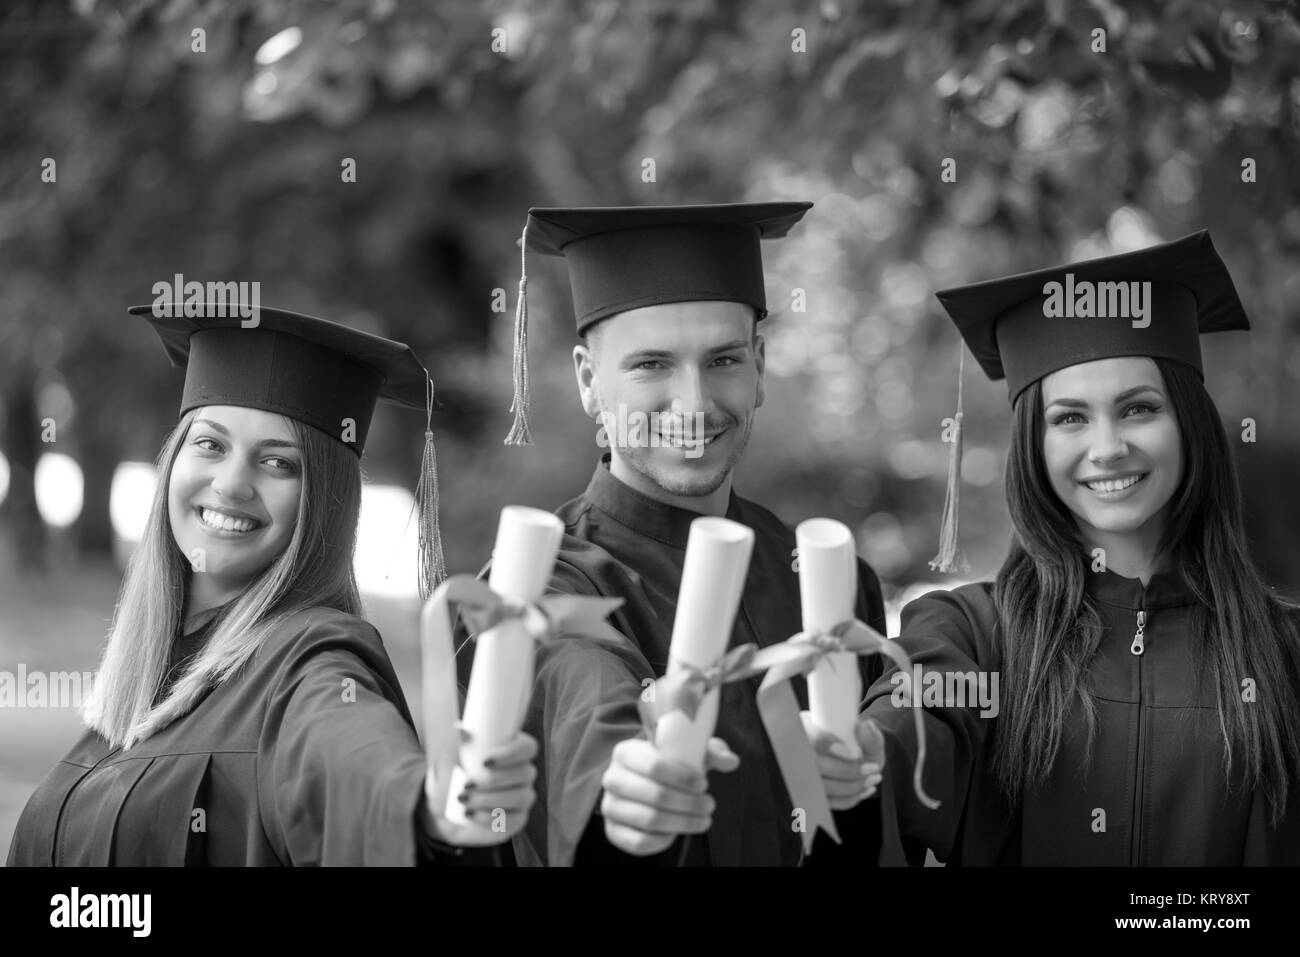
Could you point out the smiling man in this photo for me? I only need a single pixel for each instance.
(694, 370)
(667, 302)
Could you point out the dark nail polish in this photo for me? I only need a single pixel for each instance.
(464, 799)
(490, 763)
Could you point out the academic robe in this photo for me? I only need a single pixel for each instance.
(620, 543)
(306, 756)
(1154, 793)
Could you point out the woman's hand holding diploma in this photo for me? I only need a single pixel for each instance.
(480, 775)
(850, 749)
(497, 798)
(849, 779)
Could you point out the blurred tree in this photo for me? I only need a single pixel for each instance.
(1076, 129)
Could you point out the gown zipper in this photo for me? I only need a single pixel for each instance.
(1138, 648)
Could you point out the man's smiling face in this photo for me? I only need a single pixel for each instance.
(694, 363)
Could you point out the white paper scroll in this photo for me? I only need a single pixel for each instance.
(828, 584)
(501, 682)
(713, 577)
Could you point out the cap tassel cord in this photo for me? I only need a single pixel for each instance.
(520, 434)
(433, 568)
(950, 559)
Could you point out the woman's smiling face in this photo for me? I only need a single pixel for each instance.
(233, 498)
(1111, 444)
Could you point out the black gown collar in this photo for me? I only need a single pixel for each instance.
(1164, 590)
(641, 514)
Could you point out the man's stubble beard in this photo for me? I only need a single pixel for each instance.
(642, 460)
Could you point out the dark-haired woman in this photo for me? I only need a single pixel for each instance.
(1143, 678)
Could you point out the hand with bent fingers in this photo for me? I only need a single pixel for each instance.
(651, 798)
(848, 780)
(502, 791)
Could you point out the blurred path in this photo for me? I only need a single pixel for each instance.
(55, 622)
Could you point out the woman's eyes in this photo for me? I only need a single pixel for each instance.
(1146, 407)
(282, 464)
(1136, 408)
(1066, 418)
(288, 466)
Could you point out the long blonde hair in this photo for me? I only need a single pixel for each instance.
(314, 569)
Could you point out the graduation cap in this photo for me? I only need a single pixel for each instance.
(1151, 302)
(320, 373)
(626, 257)
(1154, 302)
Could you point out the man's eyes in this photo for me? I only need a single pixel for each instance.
(654, 365)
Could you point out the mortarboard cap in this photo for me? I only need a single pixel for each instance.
(312, 370)
(626, 257)
(1023, 327)
(1153, 302)
(320, 373)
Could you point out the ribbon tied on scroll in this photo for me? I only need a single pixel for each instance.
(858, 638)
(544, 620)
(684, 688)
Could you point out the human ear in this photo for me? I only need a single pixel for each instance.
(584, 371)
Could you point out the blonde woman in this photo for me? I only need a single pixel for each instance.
(244, 712)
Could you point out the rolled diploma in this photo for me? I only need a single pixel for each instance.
(713, 578)
(828, 584)
(501, 682)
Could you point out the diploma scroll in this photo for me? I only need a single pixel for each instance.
(713, 578)
(501, 682)
(828, 584)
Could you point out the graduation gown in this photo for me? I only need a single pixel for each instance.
(1154, 793)
(618, 542)
(308, 755)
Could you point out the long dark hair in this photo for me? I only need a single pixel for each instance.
(1049, 630)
